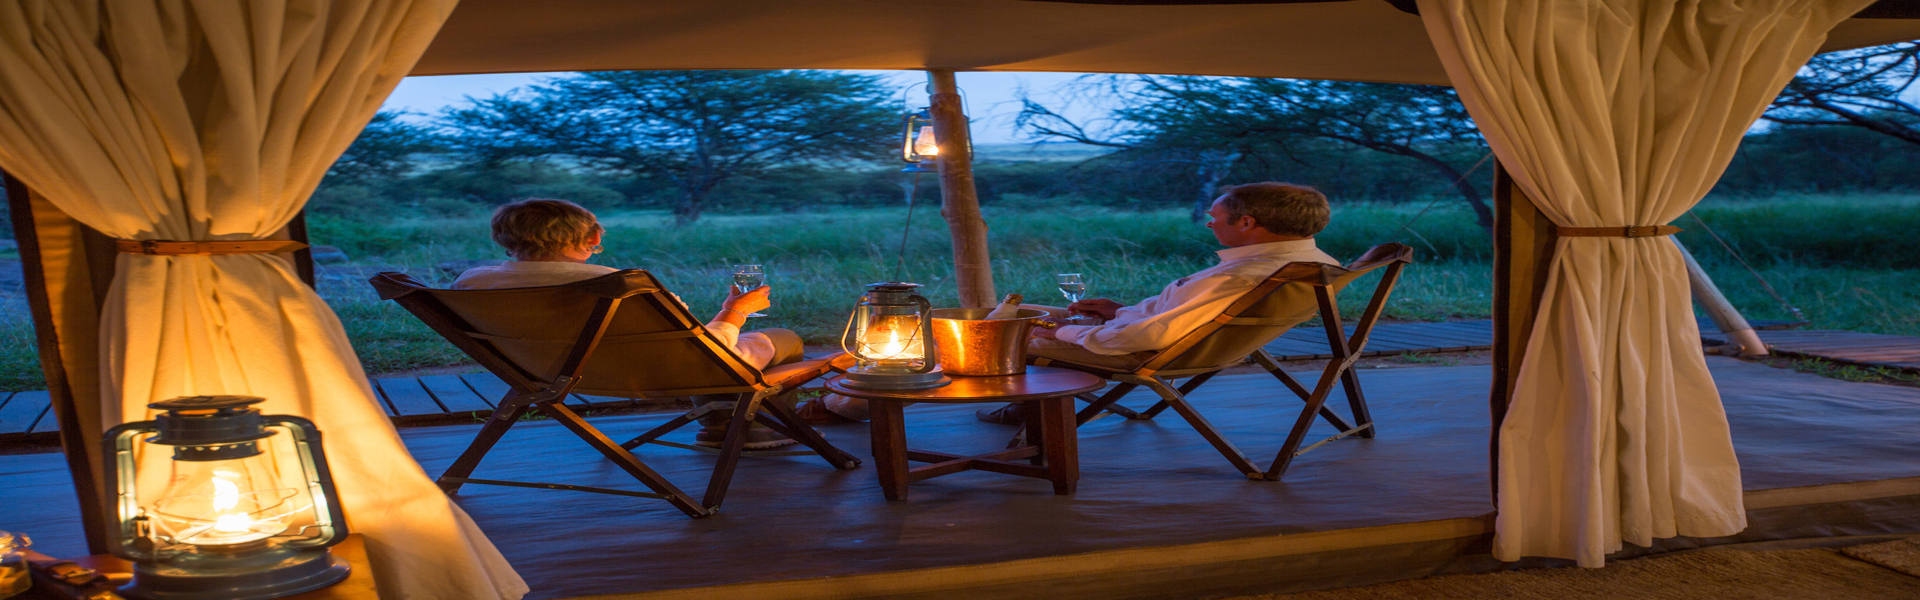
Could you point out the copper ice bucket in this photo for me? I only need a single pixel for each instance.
(967, 344)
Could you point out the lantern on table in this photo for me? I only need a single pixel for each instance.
(246, 510)
(918, 145)
(890, 335)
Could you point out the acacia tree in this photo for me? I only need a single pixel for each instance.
(1208, 120)
(694, 128)
(384, 150)
(1857, 88)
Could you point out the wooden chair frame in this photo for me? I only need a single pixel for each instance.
(545, 392)
(1324, 281)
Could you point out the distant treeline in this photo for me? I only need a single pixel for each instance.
(1785, 159)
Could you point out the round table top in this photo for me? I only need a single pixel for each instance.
(1036, 384)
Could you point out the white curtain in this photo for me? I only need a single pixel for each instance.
(214, 120)
(1615, 113)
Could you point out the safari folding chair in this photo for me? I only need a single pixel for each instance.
(1288, 297)
(619, 334)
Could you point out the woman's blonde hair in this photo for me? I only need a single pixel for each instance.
(538, 228)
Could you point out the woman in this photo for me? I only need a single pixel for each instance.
(550, 242)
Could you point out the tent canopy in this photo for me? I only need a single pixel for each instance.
(1358, 40)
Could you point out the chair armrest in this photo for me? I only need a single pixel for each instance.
(791, 375)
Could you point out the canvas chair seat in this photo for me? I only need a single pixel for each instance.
(1293, 294)
(620, 334)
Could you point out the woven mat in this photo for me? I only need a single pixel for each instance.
(1899, 555)
(1812, 573)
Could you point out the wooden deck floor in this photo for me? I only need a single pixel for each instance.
(443, 399)
(1158, 512)
(1852, 347)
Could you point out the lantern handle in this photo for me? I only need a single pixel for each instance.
(845, 332)
(931, 350)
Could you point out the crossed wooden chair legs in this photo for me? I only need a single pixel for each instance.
(1345, 351)
(1176, 398)
(548, 402)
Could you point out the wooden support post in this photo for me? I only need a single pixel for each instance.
(66, 315)
(1522, 246)
(972, 270)
(1724, 316)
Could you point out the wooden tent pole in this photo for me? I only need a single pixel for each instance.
(69, 336)
(972, 269)
(1522, 246)
(1724, 316)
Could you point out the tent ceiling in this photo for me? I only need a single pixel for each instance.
(1366, 40)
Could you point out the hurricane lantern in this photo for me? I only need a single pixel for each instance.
(890, 336)
(246, 510)
(918, 145)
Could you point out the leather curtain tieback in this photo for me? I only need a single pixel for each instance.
(1626, 232)
(171, 248)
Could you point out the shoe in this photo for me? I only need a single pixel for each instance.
(758, 437)
(1010, 414)
(816, 413)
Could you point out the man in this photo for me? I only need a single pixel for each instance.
(1263, 227)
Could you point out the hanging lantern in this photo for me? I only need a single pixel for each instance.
(918, 146)
(247, 509)
(889, 335)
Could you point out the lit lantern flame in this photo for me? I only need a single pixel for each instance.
(226, 497)
(925, 144)
(893, 347)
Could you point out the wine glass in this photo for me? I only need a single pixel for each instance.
(749, 277)
(1074, 287)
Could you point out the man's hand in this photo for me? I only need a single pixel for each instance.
(747, 302)
(1046, 333)
(1097, 307)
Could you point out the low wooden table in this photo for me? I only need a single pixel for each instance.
(1052, 447)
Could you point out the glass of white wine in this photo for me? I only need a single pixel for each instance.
(1074, 287)
(749, 277)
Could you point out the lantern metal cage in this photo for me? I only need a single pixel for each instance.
(890, 335)
(246, 509)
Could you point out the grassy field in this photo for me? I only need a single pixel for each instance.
(1841, 260)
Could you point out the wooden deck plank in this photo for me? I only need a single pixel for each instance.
(408, 398)
(454, 394)
(48, 421)
(1869, 349)
(22, 410)
(1461, 336)
(381, 395)
(1437, 337)
(4, 396)
(486, 385)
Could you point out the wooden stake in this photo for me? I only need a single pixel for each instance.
(972, 270)
(1724, 315)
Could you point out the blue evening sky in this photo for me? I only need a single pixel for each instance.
(992, 98)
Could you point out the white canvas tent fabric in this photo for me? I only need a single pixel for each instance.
(214, 120)
(1359, 40)
(1618, 113)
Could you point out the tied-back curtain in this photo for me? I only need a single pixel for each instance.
(214, 120)
(1614, 113)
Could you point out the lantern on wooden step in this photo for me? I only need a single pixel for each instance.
(246, 508)
(918, 145)
(890, 335)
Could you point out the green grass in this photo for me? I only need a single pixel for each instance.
(1841, 259)
(19, 354)
(819, 260)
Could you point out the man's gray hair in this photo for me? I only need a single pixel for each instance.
(1282, 208)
